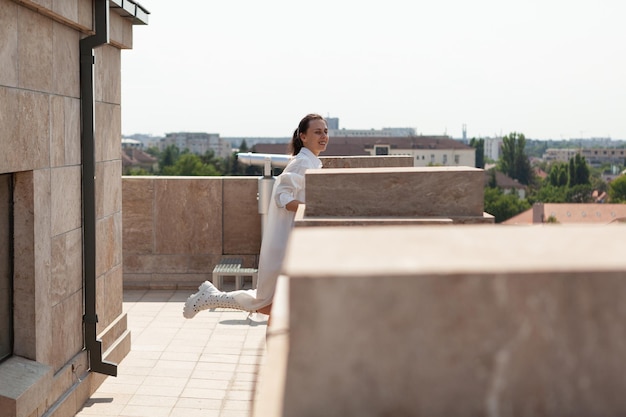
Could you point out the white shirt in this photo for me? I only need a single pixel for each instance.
(289, 186)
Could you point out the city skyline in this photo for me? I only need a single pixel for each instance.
(549, 70)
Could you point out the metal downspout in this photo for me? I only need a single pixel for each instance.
(87, 94)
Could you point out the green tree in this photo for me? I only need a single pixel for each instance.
(493, 183)
(617, 189)
(581, 170)
(548, 193)
(168, 157)
(479, 146)
(558, 176)
(244, 146)
(137, 171)
(513, 160)
(153, 151)
(503, 206)
(580, 193)
(189, 164)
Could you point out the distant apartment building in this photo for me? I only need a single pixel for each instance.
(148, 141)
(492, 148)
(335, 131)
(197, 143)
(332, 123)
(593, 156)
(385, 132)
(425, 150)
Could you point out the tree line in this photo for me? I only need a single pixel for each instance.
(571, 182)
(174, 162)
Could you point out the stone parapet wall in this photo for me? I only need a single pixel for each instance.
(176, 229)
(448, 321)
(394, 195)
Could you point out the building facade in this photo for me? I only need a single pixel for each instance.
(425, 150)
(593, 156)
(492, 148)
(197, 143)
(62, 325)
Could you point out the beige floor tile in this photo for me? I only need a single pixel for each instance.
(217, 358)
(153, 400)
(206, 393)
(195, 412)
(173, 372)
(165, 381)
(237, 405)
(111, 388)
(202, 367)
(208, 383)
(159, 391)
(103, 405)
(202, 403)
(137, 370)
(145, 411)
(216, 366)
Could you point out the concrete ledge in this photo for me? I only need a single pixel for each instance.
(301, 220)
(366, 161)
(114, 331)
(395, 192)
(24, 385)
(441, 321)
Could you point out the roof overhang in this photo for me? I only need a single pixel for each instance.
(131, 10)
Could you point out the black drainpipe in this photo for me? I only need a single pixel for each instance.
(87, 60)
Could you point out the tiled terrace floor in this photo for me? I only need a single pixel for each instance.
(206, 366)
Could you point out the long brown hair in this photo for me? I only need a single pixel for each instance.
(296, 142)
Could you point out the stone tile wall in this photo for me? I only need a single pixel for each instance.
(41, 148)
(448, 321)
(176, 229)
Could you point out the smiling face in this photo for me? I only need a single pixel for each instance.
(315, 138)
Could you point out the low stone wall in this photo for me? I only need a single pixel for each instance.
(448, 321)
(176, 229)
(394, 196)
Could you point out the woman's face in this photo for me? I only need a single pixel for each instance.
(315, 138)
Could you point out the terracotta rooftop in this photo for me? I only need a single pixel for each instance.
(503, 180)
(357, 145)
(566, 213)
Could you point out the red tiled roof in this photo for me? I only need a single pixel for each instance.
(566, 213)
(136, 157)
(503, 180)
(358, 145)
(540, 173)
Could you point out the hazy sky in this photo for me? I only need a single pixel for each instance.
(546, 68)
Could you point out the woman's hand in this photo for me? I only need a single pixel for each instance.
(293, 205)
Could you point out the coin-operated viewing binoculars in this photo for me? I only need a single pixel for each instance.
(266, 182)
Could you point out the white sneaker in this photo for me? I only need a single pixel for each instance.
(200, 300)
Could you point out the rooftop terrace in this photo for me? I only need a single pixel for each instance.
(503, 319)
(205, 367)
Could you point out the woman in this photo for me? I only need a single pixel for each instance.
(309, 139)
